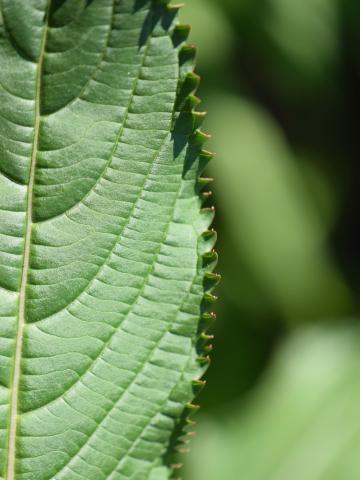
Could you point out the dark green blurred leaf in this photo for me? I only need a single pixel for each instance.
(304, 36)
(211, 32)
(270, 214)
(306, 30)
(302, 424)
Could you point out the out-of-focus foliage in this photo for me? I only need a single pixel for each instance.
(281, 80)
(271, 216)
(303, 42)
(302, 424)
(216, 39)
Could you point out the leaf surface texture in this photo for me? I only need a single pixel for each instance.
(101, 238)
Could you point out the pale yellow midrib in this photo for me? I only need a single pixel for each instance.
(11, 451)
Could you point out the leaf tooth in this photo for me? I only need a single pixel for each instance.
(188, 87)
(183, 450)
(168, 14)
(203, 182)
(175, 6)
(214, 277)
(204, 336)
(209, 263)
(209, 234)
(204, 158)
(199, 114)
(207, 241)
(209, 317)
(188, 49)
(191, 102)
(211, 255)
(207, 155)
(192, 407)
(207, 210)
(187, 58)
(211, 280)
(206, 322)
(180, 33)
(197, 385)
(203, 360)
(190, 422)
(206, 195)
(199, 137)
(192, 80)
(189, 121)
(210, 259)
(203, 343)
(198, 118)
(207, 216)
(210, 298)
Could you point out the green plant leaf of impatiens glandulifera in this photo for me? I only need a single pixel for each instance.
(105, 256)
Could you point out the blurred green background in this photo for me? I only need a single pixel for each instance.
(280, 79)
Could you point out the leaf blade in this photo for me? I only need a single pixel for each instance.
(114, 284)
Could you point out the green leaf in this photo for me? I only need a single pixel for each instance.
(271, 216)
(101, 238)
(209, 24)
(301, 424)
(302, 44)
